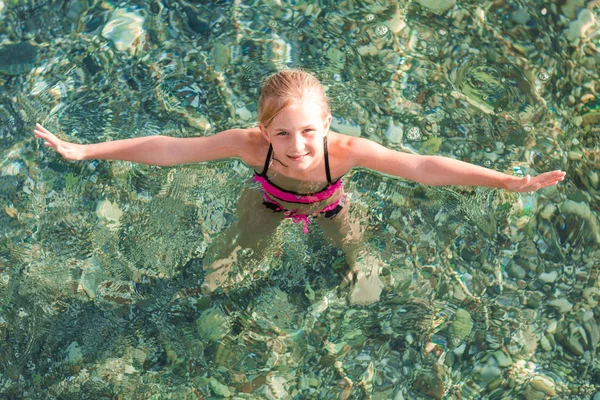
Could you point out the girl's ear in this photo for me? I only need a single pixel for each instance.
(328, 123)
(263, 130)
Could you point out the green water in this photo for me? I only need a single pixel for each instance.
(487, 294)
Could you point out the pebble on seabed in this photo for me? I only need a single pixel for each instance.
(124, 29)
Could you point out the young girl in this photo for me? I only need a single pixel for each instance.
(298, 164)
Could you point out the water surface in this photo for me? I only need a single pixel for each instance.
(487, 294)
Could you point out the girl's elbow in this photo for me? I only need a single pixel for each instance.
(425, 172)
(170, 154)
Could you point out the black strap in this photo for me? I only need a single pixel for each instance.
(326, 160)
(268, 160)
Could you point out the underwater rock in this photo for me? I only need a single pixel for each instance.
(221, 56)
(91, 277)
(111, 212)
(212, 325)
(546, 344)
(593, 331)
(116, 291)
(461, 326)
(139, 358)
(431, 146)
(548, 211)
(430, 383)
(583, 211)
(277, 387)
(185, 97)
(578, 28)
(575, 339)
(244, 113)
(548, 277)
(74, 10)
(570, 7)
(277, 52)
(336, 56)
(594, 179)
(488, 373)
(124, 29)
(575, 155)
(17, 59)
(345, 126)
(74, 354)
(531, 394)
(218, 388)
(516, 271)
(396, 24)
(493, 85)
(562, 305)
(502, 358)
(520, 16)
(394, 133)
(367, 50)
(437, 6)
(273, 311)
(197, 120)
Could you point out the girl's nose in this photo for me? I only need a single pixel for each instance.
(298, 142)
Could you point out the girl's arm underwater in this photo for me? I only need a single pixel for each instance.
(153, 150)
(438, 170)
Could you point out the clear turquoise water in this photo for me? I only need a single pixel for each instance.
(486, 294)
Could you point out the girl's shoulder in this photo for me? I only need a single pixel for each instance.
(343, 147)
(254, 146)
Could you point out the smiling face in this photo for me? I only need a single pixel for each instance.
(296, 134)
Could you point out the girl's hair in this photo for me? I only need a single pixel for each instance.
(287, 87)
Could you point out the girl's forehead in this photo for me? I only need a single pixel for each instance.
(304, 112)
(307, 106)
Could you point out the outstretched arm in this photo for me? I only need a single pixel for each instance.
(154, 150)
(437, 170)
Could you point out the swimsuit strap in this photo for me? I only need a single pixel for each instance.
(326, 160)
(266, 167)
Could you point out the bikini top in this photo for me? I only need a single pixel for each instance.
(293, 197)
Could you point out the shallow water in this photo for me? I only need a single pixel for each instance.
(487, 294)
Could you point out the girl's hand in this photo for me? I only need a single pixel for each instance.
(529, 184)
(69, 151)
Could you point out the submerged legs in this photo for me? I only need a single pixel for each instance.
(346, 232)
(252, 231)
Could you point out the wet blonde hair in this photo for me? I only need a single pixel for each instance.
(287, 87)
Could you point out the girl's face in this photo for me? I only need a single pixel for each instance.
(296, 134)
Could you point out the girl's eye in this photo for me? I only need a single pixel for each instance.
(308, 130)
(282, 134)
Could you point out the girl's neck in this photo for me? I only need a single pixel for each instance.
(312, 174)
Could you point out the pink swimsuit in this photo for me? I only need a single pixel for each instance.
(284, 195)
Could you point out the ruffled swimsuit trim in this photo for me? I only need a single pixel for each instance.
(291, 197)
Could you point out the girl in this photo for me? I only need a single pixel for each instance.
(298, 166)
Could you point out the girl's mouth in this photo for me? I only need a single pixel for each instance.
(297, 157)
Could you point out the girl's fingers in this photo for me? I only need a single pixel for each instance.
(39, 133)
(41, 128)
